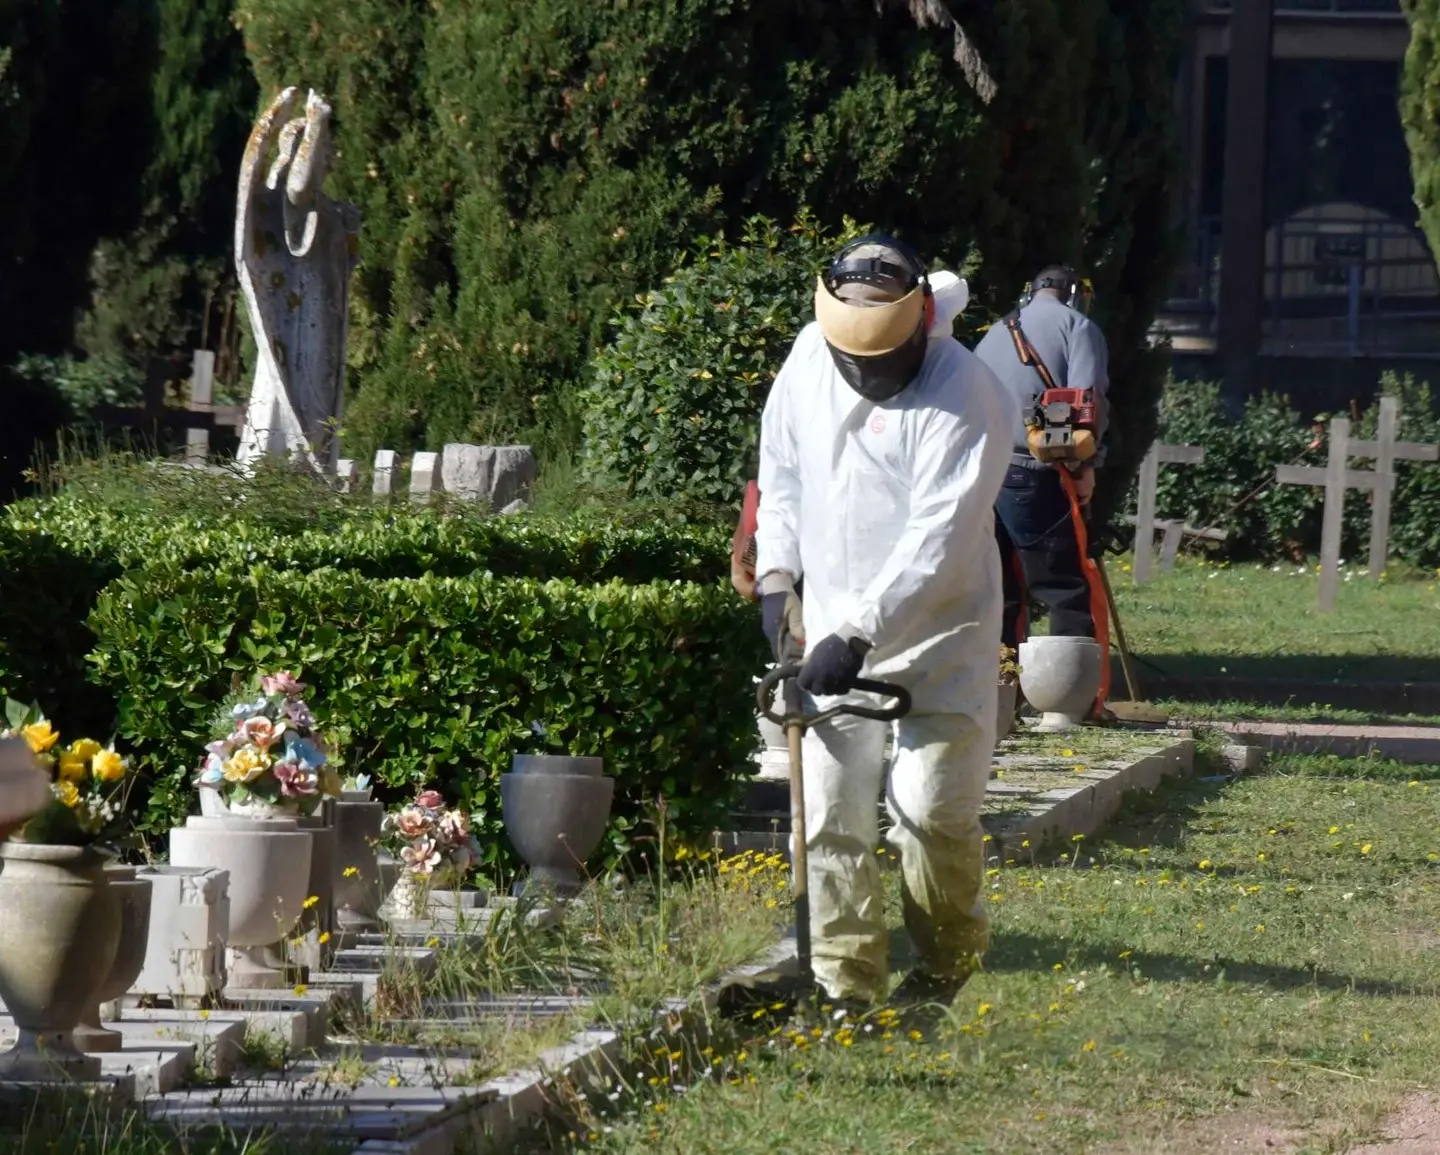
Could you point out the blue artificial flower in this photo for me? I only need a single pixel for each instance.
(303, 751)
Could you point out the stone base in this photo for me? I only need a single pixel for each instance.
(248, 970)
(48, 1056)
(98, 1040)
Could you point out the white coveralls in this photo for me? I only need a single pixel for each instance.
(886, 511)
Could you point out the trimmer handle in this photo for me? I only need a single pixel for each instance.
(765, 696)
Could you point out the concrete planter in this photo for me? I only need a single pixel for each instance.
(268, 861)
(555, 810)
(1060, 677)
(59, 928)
(356, 875)
(135, 894)
(556, 764)
(189, 920)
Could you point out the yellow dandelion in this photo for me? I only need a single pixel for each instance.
(324, 937)
(983, 1009)
(300, 989)
(1333, 830)
(1204, 864)
(1089, 1045)
(351, 871)
(312, 901)
(1365, 849)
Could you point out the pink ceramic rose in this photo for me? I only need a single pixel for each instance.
(295, 781)
(263, 732)
(283, 682)
(412, 822)
(430, 800)
(421, 856)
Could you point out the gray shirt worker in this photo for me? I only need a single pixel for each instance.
(1073, 349)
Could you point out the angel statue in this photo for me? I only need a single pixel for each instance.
(294, 249)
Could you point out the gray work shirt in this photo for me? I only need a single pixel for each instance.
(1073, 349)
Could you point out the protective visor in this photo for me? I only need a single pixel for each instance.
(868, 331)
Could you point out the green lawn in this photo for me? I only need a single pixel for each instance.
(1259, 621)
(1227, 962)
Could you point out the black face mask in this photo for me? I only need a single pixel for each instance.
(883, 376)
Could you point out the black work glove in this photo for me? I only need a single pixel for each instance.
(784, 620)
(832, 667)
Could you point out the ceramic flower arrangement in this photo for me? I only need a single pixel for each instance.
(273, 757)
(432, 841)
(90, 783)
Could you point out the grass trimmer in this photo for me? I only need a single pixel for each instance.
(801, 987)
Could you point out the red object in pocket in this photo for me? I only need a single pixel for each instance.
(742, 545)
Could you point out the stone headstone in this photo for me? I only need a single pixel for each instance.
(496, 475)
(189, 923)
(423, 467)
(384, 472)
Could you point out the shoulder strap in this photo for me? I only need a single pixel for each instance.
(1026, 351)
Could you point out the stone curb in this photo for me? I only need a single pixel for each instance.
(1060, 813)
(1417, 745)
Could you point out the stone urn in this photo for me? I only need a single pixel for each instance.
(135, 894)
(774, 760)
(59, 929)
(356, 874)
(268, 860)
(555, 810)
(1060, 677)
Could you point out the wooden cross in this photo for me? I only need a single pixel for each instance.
(1145, 515)
(1385, 451)
(1336, 479)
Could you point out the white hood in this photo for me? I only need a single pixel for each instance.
(951, 295)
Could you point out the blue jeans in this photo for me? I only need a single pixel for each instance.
(1039, 556)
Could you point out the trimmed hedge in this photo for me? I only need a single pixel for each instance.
(440, 680)
(433, 640)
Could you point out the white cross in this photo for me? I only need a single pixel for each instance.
(1145, 515)
(1336, 479)
(1385, 451)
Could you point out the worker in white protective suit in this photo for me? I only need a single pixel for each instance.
(883, 447)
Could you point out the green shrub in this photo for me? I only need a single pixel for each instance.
(674, 401)
(139, 515)
(441, 680)
(1419, 99)
(46, 593)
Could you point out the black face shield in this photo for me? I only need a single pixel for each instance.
(881, 376)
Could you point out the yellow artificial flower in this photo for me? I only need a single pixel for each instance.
(72, 769)
(108, 766)
(85, 748)
(67, 792)
(40, 735)
(246, 764)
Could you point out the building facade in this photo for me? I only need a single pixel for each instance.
(1297, 184)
